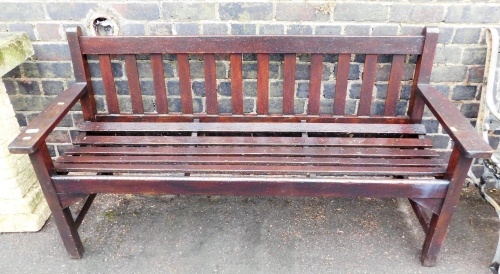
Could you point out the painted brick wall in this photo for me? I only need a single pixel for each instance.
(458, 69)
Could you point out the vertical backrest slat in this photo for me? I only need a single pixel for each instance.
(210, 83)
(369, 73)
(342, 76)
(423, 71)
(235, 61)
(289, 83)
(159, 83)
(315, 84)
(185, 83)
(262, 83)
(108, 81)
(134, 85)
(391, 99)
(82, 73)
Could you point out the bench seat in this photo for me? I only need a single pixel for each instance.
(375, 153)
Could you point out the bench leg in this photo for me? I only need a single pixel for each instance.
(43, 166)
(438, 227)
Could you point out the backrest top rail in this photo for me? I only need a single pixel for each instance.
(252, 44)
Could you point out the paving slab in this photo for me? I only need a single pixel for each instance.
(219, 234)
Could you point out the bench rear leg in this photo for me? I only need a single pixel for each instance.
(438, 227)
(43, 166)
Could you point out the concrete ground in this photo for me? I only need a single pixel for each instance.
(200, 234)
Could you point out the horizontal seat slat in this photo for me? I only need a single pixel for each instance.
(254, 169)
(257, 151)
(252, 141)
(255, 127)
(227, 160)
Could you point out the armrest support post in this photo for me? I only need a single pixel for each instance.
(39, 128)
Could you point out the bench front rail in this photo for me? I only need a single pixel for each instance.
(190, 143)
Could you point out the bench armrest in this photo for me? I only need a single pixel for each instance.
(456, 125)
(39, 128)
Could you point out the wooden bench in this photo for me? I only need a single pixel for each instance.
(325, 151)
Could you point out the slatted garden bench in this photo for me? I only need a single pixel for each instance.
(250, 151)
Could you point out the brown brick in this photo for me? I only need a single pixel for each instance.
(48, 31)
(138, 11)
(17, 11)
(475, 13)
(246, 11)
(299, 12)
(411, 13)
(24, 27)
(360, 12)
(188, 11)
(51, 52)
(68, 10)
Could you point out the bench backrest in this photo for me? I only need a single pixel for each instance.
(279, 76)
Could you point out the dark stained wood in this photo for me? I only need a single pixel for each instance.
(254, 169)
(397, 70)
(252, 160)
(457, 173)
(84, 210)
(262, 83)
(32, 136)
(134, 86)
(362, 152)
(433, 205)
(253, 141)
(82, 72)
(210, 83)
(422, 216)
(341, 84)
(254, 186)
(252, 127)
(159, 84)
(275, 118)
(236, 83)
(283, 154)
(185, 83)
(66, 200)
(44, 169)
(108, 81)
(315, 84)
(289, 83)
(369, 73)
(456, 125)
(252, 44)
(422, 74)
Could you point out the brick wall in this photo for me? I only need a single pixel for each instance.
(458, 69)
